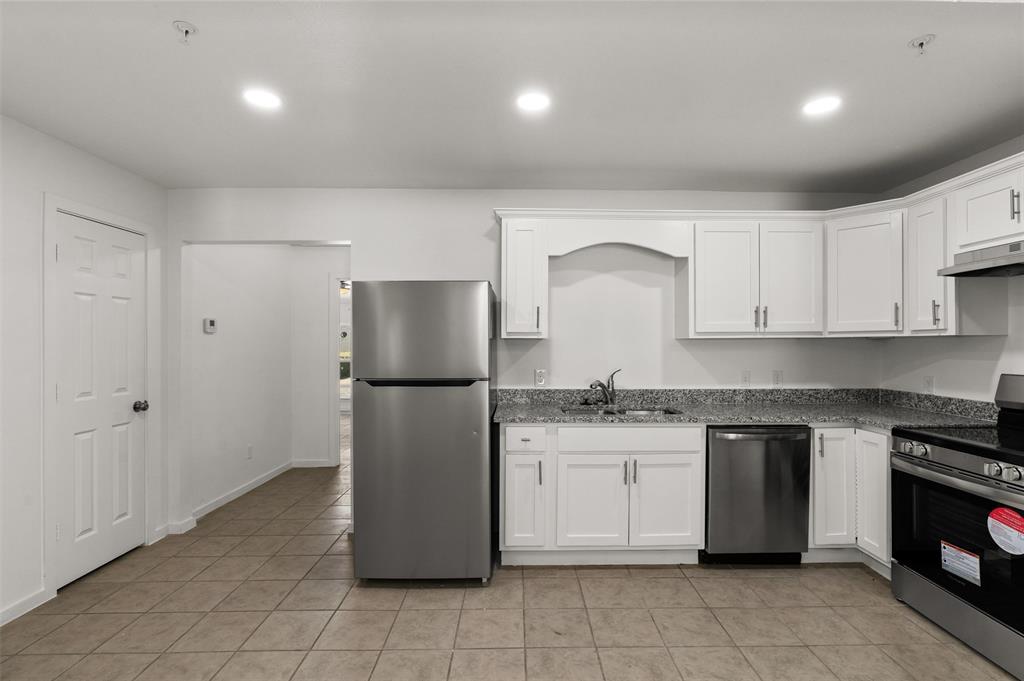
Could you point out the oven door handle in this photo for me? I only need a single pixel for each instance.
(996, 494)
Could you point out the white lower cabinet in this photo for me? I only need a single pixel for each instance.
(872, 465)
(665, 506)
(834, 515)
(525, 512)
(593, 500)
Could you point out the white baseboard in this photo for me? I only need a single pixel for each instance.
(19, 608)
(240, 490)
(156, 535)
(601, 557)
(312, 463)
(181, 526)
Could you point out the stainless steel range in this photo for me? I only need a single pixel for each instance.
(958, 527)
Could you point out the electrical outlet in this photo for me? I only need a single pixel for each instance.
(745, 378)
(540, 377)
(929, 385)
(248, 451)
(777, 378)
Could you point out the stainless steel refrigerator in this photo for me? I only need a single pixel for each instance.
(422, 402)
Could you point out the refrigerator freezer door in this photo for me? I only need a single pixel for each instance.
(421, 329)
(421, 476)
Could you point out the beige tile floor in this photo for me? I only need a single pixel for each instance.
(262, 590)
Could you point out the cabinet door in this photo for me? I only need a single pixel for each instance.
(726, 277)
(666, 501)
(525, 287)
(865, 273)
(987, 211)
(835, 489)
(872, 451)
(791, 257)
(926, 243)
(524, 500)
(593, 500)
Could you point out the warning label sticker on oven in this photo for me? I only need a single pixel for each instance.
(961, 563)
(1007, 529)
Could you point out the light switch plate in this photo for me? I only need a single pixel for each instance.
(745, 378)
(540, 377)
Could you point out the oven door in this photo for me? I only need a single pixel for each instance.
(961, 533)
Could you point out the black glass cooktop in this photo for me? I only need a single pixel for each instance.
(1003, 443)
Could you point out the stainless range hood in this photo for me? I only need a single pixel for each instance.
(995, 261)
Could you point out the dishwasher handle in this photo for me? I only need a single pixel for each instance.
(760, 436)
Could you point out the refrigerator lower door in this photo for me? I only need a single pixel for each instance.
(421, 480)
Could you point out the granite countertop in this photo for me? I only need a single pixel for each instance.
(867, 413)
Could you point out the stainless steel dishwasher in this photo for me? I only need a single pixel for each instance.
(758, 489)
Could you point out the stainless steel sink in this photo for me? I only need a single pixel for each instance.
(648, 411)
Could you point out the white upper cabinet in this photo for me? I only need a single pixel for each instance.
(865, 273)
(726, 277)
(926, 253)
(791, 278)
(525, 285)
(989, 212)
(835, 504)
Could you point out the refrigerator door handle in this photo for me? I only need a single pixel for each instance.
(419, 382)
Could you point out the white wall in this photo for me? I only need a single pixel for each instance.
(265, 377)
(611, 307)
(34, 164)
(961, 367)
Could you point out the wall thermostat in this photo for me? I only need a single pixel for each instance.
(209, 325)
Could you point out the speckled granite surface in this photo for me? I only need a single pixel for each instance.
(867, 407)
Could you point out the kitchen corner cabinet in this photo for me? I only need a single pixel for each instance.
(525, 504)
(872, 471)
(525, 281)
(988, 212)
(865, 273)
(927, 303)
(834, 513)
(756, 278)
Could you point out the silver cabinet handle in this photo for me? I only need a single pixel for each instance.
(540, 472)
(1014, 205)
(757, 317)
(935, 313)
(765, 317)
(634, 471)
(821, 445)
(625, 472)
(896, 314)
(538, 316)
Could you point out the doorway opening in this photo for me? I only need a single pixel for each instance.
(344, 332)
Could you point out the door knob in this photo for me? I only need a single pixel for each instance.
(140, 405)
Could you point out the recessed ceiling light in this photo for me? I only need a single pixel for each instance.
(820, 106)
(533, 102)
(262, 99)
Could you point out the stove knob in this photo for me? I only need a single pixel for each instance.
(993, 470)
(1011, 474)
(919, 449)
(906, 447)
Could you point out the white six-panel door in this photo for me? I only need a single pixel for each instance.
(791, 278)
(524, 500)
(835, 502)
(593, 500)
(666, 503)
(97, 447)
(872, 451)
(926, 254)
(865, 273)
(726, 277)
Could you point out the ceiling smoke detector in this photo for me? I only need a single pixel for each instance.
(185, 31)
(921, 42)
